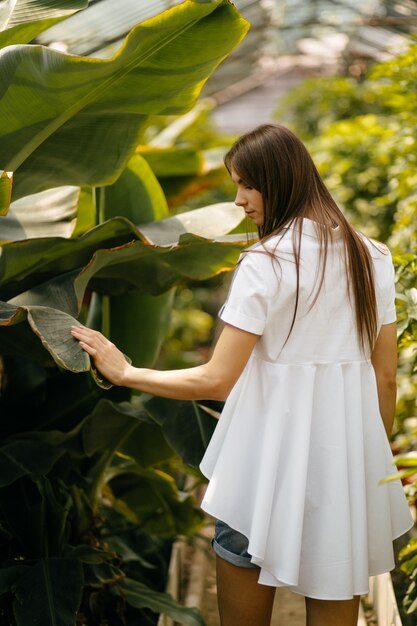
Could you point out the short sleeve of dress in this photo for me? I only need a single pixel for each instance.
(389, 314)
(247, 301)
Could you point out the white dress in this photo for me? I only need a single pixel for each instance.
(297, 455)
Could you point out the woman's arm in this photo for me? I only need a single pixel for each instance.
(384, 360)
(211, 381)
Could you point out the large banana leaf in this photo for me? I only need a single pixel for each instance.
(26, 264)
(187, 426)
(184, 171)
(126, 429)
(134, 267)
(150, 497)
(138, 323)
(137, 266)
(173, 161)
(23, 20)
(49, 213)
(198, 259)
(85, 114)
(32, 453)
(136, 194)
(52, 589)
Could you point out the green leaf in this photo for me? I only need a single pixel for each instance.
(186, 425)
(136, 266)
(136, 195)
(412, 608)
(87, 554)
(105, 431)
(211, 222)
(24, 264)
(398, 476)
(122, 545)
(409, 565)
(171, 134)
(49, 213)
(96, 108)
(172, 161)
(153, 269)
(410, 548)
(21, 11)
(150, 497)
(406, 460)
(147, 446)
(23, 20)
(49, 593)
(9, 575)
(53, 329)
(26, 31)
(139, 324)
(109, 424)
(28, 454)
(142, 597)
(6, 179)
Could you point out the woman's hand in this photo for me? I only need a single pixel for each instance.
(108, 359)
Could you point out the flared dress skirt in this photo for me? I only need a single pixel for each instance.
(303, 484)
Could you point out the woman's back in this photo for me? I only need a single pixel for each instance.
(325, 329)
(300, 447)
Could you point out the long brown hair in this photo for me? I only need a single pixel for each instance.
(272, 160)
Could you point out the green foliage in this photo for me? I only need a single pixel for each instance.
(23, 20)
(51, 588)
(319, 102)
(190, 325)
(362, 137)
(355, 157)
(88, 500)
(408, 560)
(94, 107)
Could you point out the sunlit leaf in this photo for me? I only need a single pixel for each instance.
(6, 179)
(96, 108)
(50, 213)
(22, 20)
(26, 264)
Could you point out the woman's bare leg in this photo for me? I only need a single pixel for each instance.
(332, 612)
(242, 600)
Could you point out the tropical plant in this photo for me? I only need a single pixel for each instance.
(87, 504)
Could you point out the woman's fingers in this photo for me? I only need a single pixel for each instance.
(107, 358)
(91, 351)
(91, 341)
(89, 335)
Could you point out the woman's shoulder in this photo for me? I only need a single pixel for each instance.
(272, 243)
(377, 249)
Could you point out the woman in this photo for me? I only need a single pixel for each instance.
(307, 363)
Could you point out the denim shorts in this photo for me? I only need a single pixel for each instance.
(231, 546)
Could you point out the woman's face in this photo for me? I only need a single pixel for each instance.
(249, 199)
